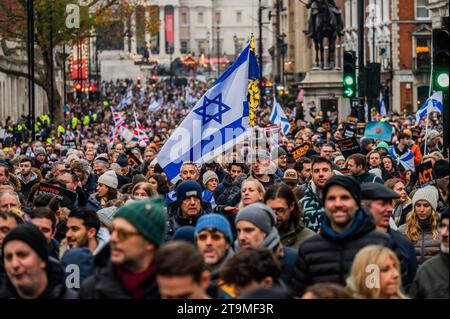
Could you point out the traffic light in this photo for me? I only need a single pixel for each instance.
(349, 76)
(138, 82)
(440, 59)
(78, 90)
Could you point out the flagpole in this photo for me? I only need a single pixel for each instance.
(429, 95)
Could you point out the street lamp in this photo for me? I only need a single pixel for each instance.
(208, 35)
(218, 51)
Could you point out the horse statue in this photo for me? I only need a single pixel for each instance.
(325, 22)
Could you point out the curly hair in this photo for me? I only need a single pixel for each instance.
(284, 192)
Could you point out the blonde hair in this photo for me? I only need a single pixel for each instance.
(259, 187)
(357, 281)
(413, 229)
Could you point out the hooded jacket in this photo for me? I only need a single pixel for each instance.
(328, 256)
(56, 287)
(25, 187)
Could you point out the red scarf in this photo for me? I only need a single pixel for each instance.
(133, 282)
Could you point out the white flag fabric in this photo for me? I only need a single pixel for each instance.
(218, 121)
(279, 118)
(383, 112)
(432, 104)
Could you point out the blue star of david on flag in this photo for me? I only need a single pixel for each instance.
(209, 114)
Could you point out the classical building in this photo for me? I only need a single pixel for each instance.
(14, 88)
(437, 9)
(215, 28)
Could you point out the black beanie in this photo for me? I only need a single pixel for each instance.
(349, 183)
(32, 236)
(441, 169)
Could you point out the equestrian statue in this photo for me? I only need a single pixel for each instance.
(325, 22)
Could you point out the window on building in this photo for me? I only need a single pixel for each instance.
(184, 46)
(217, 17)
(239, 17)
(200, 18)
(184, 19)
(421, 9)
(423, 53)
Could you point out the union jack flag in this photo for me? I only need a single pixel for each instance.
(139, 133)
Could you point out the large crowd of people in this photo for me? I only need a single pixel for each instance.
(328, 224)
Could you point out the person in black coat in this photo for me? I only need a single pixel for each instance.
(34, 282)
(378, 199)
(129, 272)
(346, 228)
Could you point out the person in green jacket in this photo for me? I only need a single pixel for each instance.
(282, 200)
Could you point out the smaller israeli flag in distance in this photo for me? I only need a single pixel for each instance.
(279, 118)
(432, 104)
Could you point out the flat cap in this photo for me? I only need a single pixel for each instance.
(377, 191)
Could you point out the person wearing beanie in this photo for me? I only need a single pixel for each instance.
(40, 157)
(106, 190)
(80, 257)
(211, 181)
(422, 224)
(382, 148)
(31, 274)
(256, 227)
(126, 174)
(186, 233)
(214, 240)
(138, 232)
(346, 228)
(432, 278)
(340, 161)
(106, 216)
(189, 202)
(279, 158)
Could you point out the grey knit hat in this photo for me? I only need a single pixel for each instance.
(208, 175)
(258, 214)
(429, 194)
(106, 215)
(109, 178)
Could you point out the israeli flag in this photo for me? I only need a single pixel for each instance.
(432, 104)
(217, 122)
(279, 118)
(126, 100)
(383, 112)
(154, 106)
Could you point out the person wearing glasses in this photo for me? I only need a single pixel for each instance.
(214, 240)
(138, 231)
(281, 199)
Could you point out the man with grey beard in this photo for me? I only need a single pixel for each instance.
(431, 280)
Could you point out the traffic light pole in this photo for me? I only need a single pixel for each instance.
(31, 95)
(361, 73)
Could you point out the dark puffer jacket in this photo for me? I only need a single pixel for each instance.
(177, 220)
(431, 281)
(56, 287)
(327, 256)
(425, 247)
(228, 192)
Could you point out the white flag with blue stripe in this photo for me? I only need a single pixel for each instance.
(383, 112)
(216, 123)
(432, 104)
(279, 118)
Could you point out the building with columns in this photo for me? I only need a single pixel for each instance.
(215, 28)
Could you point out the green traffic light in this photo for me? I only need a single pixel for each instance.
(348, 80)
(442, 80)
(348, 92)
